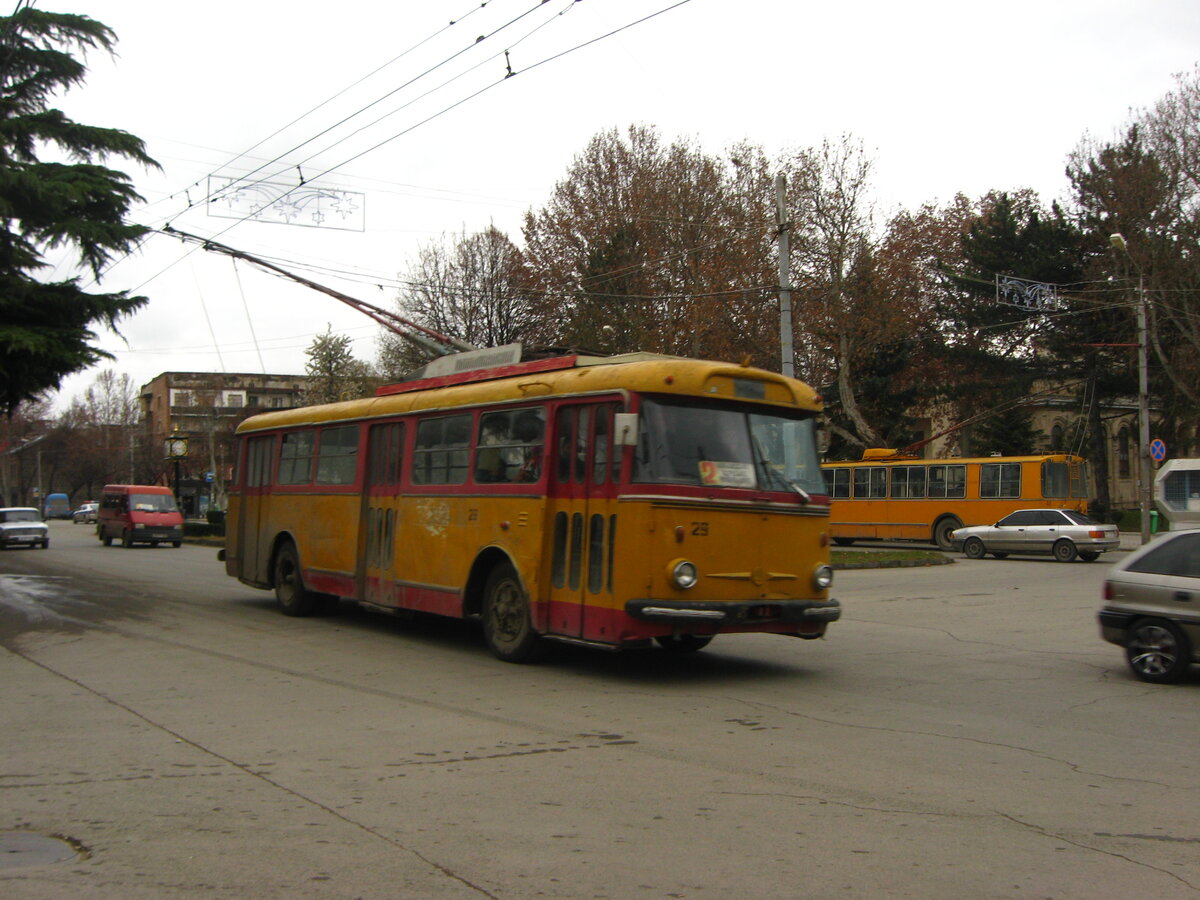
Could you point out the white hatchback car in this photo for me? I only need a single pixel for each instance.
(22, 526)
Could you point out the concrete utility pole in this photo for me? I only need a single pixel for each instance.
(787, 351)
(1144, 480)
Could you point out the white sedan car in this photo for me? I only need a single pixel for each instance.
(1064, 533)
(22, 526)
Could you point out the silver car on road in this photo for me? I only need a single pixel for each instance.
(1064, 533)
(1152, 607)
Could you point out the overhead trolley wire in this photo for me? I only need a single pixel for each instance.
(333, 97)
(458, 103)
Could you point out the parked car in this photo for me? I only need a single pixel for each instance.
(1152, 607)
(23, 526)
(86, 514)
(1062, 532)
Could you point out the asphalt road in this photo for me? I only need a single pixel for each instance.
(963, 732)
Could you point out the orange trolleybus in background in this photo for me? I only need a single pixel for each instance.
(890, 496)
(607, 502)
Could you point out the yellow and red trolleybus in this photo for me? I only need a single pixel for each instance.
(609, 502)
(892, 496)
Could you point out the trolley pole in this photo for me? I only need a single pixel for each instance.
(787, 364)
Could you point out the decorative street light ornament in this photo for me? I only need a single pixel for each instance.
(1035, 296)
(286, 204)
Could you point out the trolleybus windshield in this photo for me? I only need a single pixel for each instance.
(723, 445)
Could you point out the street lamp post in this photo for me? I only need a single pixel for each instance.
(1144, 487)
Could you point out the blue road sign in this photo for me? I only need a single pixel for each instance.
(1158, 450)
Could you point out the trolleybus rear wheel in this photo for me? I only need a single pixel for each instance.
(941, 531)
(294, 599)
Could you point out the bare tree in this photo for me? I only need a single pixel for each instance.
(98, 434)
(1164, 246)
(111, 399)
(650, 246)
(468, 286)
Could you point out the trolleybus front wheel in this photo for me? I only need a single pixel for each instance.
(507, 623)
(683, 643)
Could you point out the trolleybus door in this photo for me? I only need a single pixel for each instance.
(254, 513)
(376, 569)
(584, 465)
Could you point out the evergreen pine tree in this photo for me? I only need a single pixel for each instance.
(46, 328)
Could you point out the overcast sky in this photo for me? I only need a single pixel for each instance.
(946, 97)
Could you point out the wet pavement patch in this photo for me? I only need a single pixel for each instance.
(25, 848)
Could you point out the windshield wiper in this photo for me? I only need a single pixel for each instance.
(774, 477)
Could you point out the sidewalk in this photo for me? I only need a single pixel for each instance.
(1131, 540)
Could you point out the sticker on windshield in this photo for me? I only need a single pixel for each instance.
(727, 474)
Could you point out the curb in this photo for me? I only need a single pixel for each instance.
(895, 564)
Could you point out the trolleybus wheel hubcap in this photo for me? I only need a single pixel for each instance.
(508, 612)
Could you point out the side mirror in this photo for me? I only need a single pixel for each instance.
(626, 427)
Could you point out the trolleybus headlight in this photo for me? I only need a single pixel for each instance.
(684, 574)
(822, 577)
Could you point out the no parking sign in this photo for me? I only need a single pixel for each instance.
(1158, 450)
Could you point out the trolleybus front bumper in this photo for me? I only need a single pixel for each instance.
(743, 612)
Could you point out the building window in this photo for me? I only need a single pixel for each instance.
(1056, 438)
(1123, 452)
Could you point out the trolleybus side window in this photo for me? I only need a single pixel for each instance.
(870, 484)
(999, 480)
(442, 449)
(509, 446)
(337, 456)
(908, 481)
(949, 482)
(296, 457)
(837, 483)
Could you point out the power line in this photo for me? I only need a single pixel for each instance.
(445, 110)
(380, 99)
